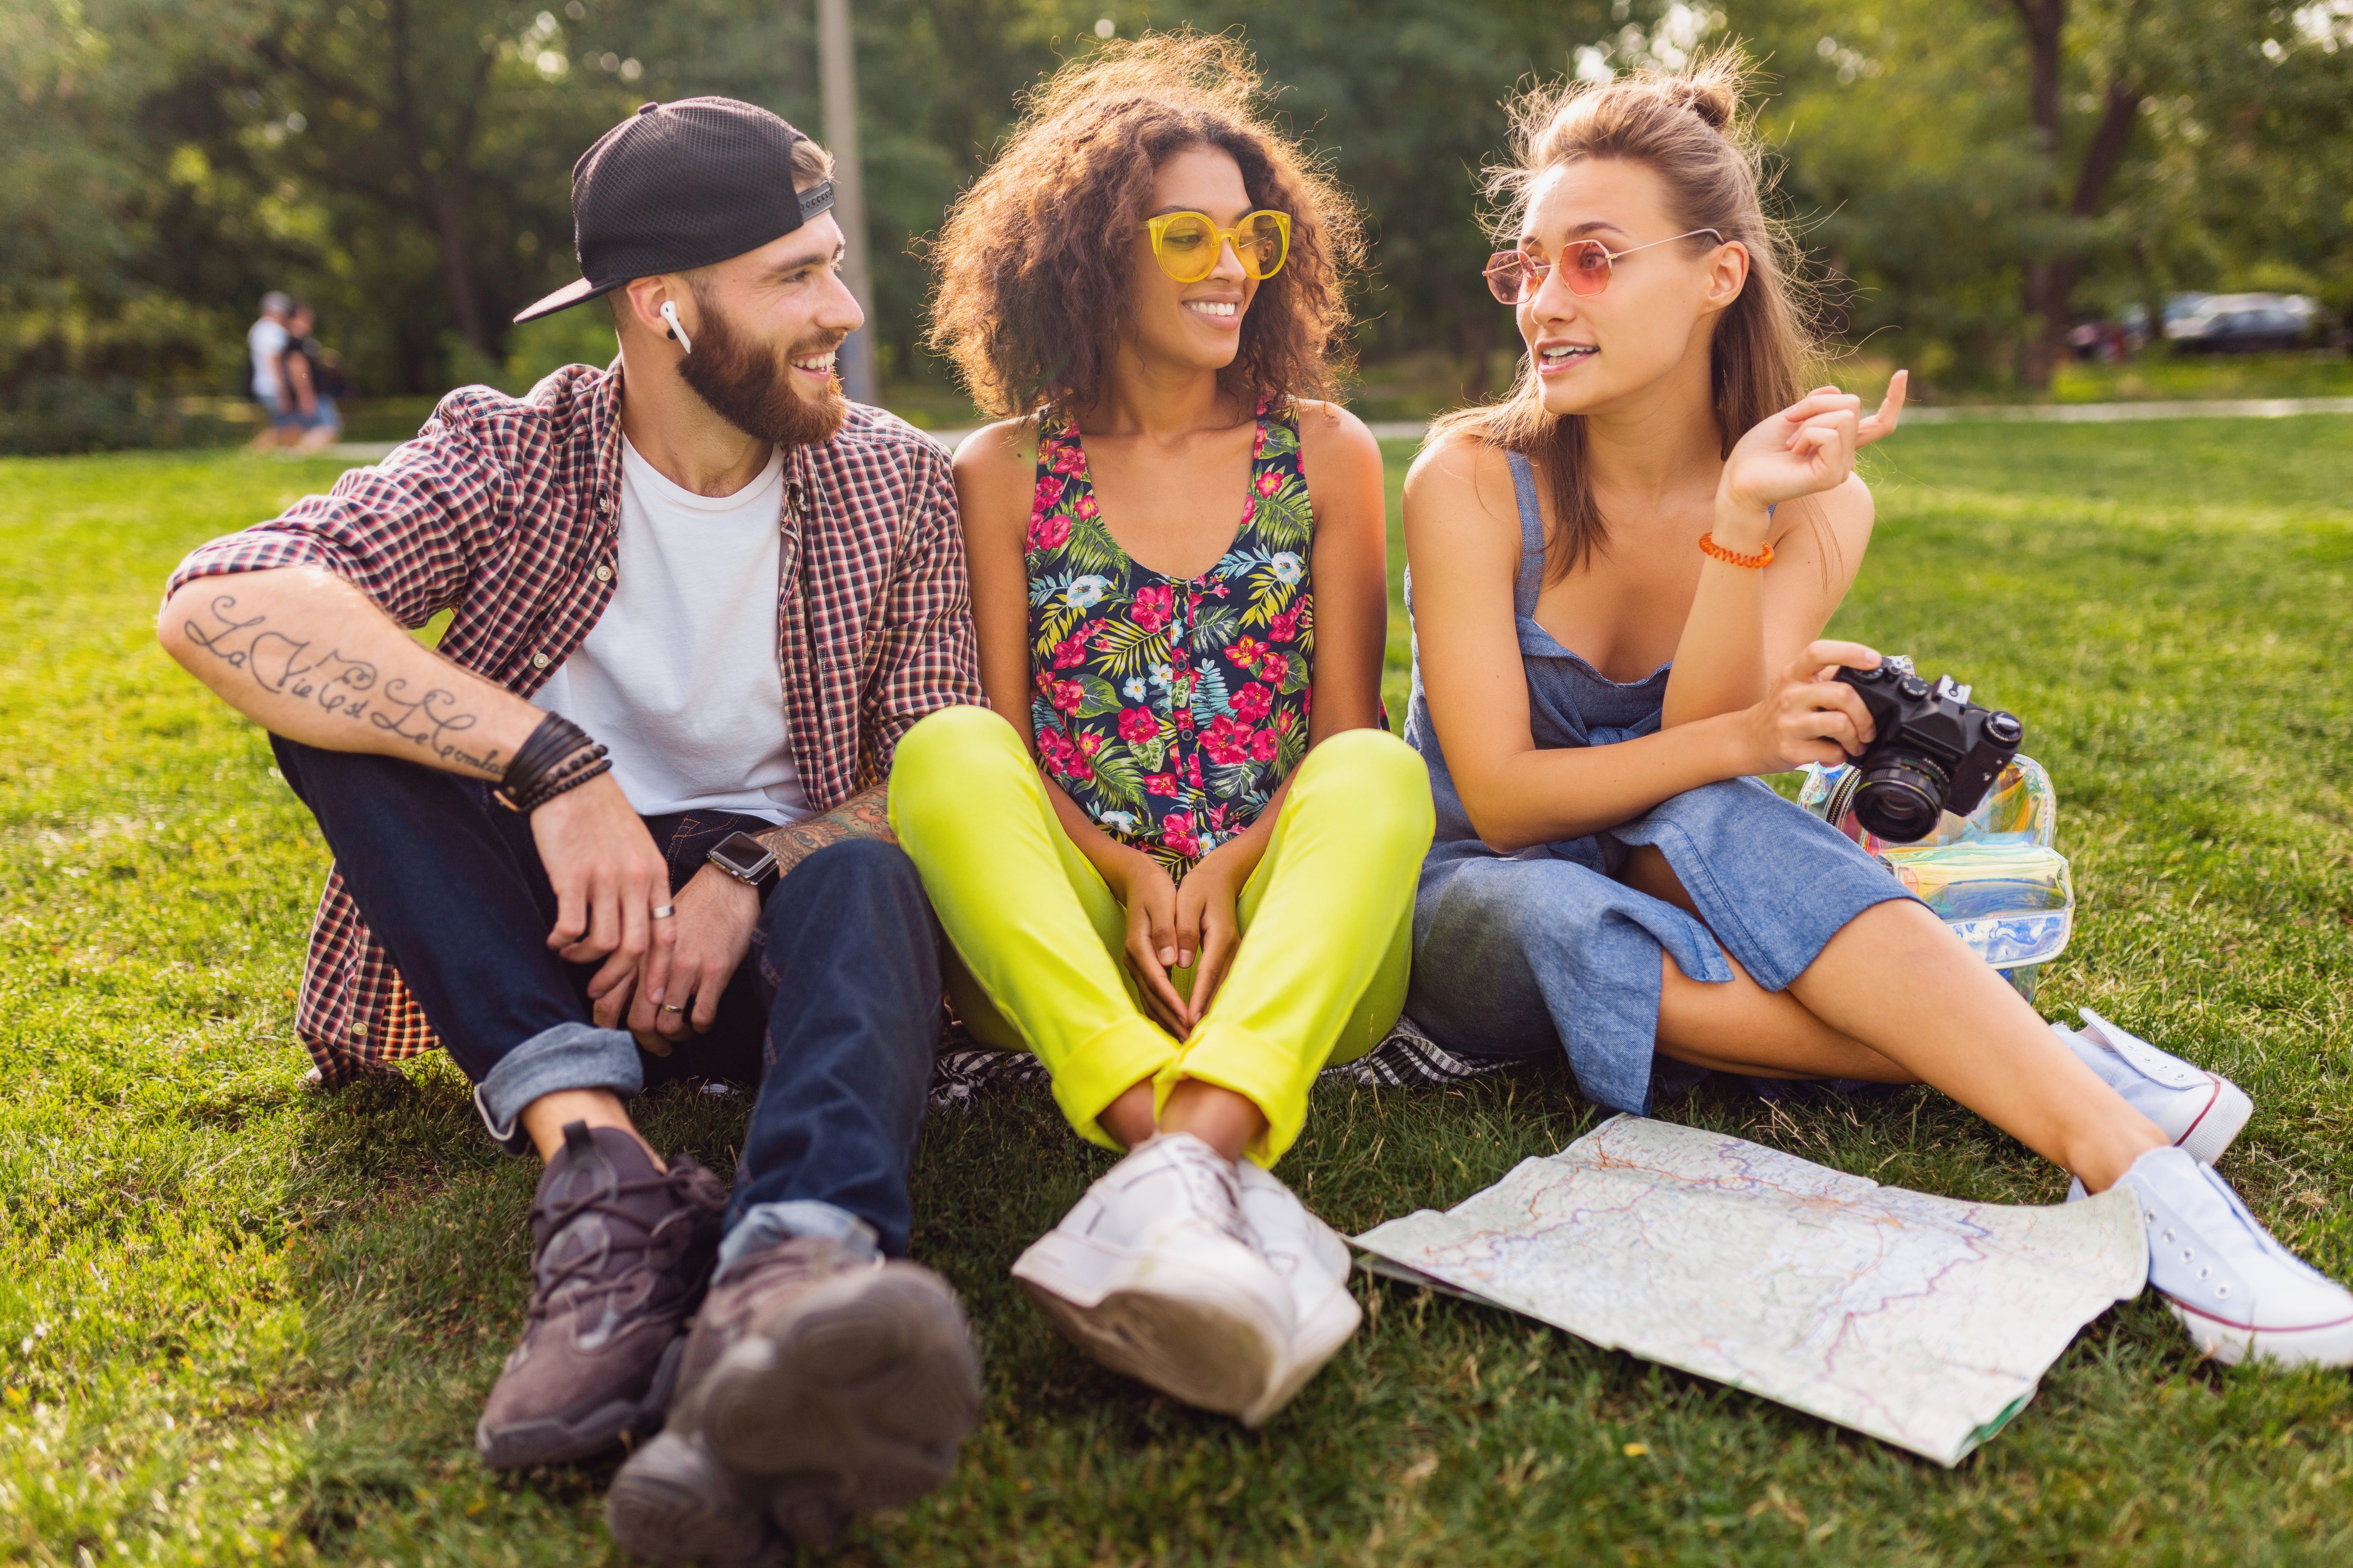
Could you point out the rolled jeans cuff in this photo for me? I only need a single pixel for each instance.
(764, 1225)
(569, 1055)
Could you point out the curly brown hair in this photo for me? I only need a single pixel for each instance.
(1034, 258)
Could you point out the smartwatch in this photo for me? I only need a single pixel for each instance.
(747, 860)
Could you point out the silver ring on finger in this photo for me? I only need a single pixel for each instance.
(663, 912)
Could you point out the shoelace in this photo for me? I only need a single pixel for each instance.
(1216, 1190)
(573, 1281)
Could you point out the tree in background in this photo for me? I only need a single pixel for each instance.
(2250, 180)
(1968, 176)
(83, 324)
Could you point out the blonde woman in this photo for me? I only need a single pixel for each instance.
(1619, 579)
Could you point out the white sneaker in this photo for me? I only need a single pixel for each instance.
(1313, 1261)
(1156, 1274)
(2200, 1111)
(2239, 1292)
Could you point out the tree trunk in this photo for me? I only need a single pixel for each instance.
(1475, 347)
(2045, 291)
(442, 200)
(2050, 280)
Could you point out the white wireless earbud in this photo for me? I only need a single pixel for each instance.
(670, 314)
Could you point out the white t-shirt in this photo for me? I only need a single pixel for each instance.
(679, 677)
(267, 340)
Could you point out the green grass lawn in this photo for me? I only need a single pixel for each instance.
(241, 1321)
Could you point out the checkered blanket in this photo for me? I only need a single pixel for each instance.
(1406, 1059)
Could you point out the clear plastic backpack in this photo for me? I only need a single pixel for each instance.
(1993, 876)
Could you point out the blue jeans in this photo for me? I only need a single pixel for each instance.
(835, 1014)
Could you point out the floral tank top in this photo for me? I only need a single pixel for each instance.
(1170, 709)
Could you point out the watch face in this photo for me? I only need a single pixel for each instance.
(743, 855)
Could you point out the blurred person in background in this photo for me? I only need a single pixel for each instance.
(310, 379)
(265, 341)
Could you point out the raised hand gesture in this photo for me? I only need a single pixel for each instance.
(1807, 448)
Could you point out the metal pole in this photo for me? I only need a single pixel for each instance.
(838, 77)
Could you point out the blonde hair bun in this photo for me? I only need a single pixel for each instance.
(1713, 92)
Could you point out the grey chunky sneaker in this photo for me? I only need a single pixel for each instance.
(621, 1252)
(820, 1384)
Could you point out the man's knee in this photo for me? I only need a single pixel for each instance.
(322, 779)
(857, 880)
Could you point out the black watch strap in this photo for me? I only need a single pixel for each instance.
(747, 860)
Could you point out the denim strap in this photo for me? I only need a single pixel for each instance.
(1532, 536)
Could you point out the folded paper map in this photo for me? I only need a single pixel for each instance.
(1924, 1321)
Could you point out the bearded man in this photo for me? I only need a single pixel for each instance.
(626, 824)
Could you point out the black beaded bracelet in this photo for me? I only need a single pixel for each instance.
(593, 763)
(556, 740)
(573, 770)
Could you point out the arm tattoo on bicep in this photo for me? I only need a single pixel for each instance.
(863, 815)
(350, 689)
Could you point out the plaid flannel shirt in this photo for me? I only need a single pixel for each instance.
(506, 511)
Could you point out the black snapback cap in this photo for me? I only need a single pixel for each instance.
(677, 186)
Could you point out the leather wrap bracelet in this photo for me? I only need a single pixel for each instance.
(584, 766)
(557, 757)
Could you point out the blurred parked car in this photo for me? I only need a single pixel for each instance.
(2245, 323)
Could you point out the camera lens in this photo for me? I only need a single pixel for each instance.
(1901, 799)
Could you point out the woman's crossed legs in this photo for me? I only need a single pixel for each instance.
(1895, 997)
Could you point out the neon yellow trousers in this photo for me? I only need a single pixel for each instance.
(1327, 923)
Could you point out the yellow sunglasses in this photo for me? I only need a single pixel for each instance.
(1188, 245)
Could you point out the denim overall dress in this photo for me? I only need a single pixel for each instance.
(1543, 949)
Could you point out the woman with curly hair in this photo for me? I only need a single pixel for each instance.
(1177, 861)
(1621, 577)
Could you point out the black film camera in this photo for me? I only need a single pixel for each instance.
(1935, 752)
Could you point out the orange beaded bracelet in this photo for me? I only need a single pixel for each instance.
(1732, 557)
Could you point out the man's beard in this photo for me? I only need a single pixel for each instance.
(750, 386)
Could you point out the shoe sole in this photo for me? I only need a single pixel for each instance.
(854, 1398)
(1317, 1341)
(2322, 1344)
(861, 1391)
(673, 1503)
(528, 1445)
(1216, 1350)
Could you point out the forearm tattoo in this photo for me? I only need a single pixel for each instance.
(862, 815)
(436, 721)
